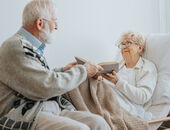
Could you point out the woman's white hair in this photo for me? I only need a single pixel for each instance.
(37, 9)
(133, 37)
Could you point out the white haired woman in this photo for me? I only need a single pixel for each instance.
(136, 80)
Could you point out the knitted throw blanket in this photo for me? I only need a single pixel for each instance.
(98, 98)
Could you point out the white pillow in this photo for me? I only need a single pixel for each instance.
(158, 51)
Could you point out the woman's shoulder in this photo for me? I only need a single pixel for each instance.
(148, 65)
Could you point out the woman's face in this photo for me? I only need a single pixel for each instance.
(130, 50)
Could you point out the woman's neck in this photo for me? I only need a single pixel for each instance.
(131, 62)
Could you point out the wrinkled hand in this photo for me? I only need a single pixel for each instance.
(111, 77)
(70, 65)
(99, 78)
(92, 69)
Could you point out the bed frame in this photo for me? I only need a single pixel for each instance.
(165, 124)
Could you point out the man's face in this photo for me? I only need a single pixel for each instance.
(53, 22)
(48, 33)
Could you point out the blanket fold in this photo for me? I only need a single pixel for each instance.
(98, 97)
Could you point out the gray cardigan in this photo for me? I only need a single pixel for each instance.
(23, 71)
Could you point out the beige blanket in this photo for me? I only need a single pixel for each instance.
(98, 97)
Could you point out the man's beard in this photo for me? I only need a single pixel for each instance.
(46, 36)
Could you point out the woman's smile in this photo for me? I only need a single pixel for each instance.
(125, 50)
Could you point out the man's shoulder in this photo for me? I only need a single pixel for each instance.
(11, 43)
(15, 42)
(13, 39)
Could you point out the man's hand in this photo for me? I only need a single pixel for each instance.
(99, 78)
(111, 77)
(92, 69)
(70, 65)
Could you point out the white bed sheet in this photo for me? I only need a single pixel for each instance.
(158, 111)
(157, 50)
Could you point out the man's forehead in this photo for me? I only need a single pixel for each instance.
(53, 15)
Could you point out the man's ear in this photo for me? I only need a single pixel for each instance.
(39, 24)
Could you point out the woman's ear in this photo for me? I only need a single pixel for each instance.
(140, 50)
(39, 24)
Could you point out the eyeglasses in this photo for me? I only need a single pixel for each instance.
(121, 45)
(55, 22)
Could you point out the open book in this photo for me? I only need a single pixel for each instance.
(108, 67)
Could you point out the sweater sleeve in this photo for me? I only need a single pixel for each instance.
(26, 75)
(143, 90)
(60, 69)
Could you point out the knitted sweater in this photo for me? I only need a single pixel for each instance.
(23, 71)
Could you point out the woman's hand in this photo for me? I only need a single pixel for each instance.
(111, 77)
(70, 65)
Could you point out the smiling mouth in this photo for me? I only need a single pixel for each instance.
(125, 51)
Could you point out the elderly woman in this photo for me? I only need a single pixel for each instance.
(135, 82)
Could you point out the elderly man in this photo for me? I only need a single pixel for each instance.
(30, 93)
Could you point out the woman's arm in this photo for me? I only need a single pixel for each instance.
(143, 90)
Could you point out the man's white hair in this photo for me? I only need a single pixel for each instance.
(37, 9)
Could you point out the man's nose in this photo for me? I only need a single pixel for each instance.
(56, 27)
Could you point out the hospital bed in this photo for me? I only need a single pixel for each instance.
(157, 50)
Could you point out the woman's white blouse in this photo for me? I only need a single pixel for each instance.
(135, 87)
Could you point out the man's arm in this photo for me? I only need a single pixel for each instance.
(27, 76)
(60, 69)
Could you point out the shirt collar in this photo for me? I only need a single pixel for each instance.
(33, 40)
(137, 66)
(139, 63)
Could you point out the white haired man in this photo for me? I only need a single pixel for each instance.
(29, 90)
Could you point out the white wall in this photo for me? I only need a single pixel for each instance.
(10, 14)
(87, 28)
(167, 7)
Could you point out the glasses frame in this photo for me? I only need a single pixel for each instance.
(126, 44)
(50, 21)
